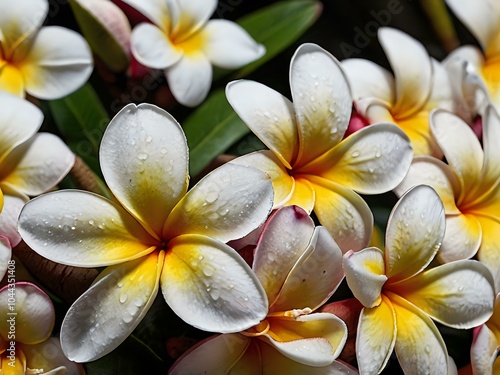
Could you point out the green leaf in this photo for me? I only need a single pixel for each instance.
(81, 119)
(211, 130)
(278, 26)
(97, 31)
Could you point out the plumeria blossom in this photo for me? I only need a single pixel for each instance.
(25, 344)
(299, 266)
(5, 255)
(486, 345)
(154, 233)
(400, 296)
(30, 163)
(309, 162)
(419, 84)
(476, 71)
(182, 41)
(467, 185)
(46, 62)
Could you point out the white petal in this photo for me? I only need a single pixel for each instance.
(34, 312)
(364, 272)
(462, 238)
(104, 316)
(13, 204)
(39, 164)
(58, 63)
(216, 355)
(480, 17)
(82, 229)
(19, 121)
(412, 68)
(442, 88)
(491, 133)
(144, 160)
(369, 80)
(322, 101)
(20, 20)
(315, 276)
(414, 232)
(229, 46)
(190, 16)
(269, 115)
(152, 48)
(283, 240)
(190, 79)
(5, 254)
(227, 204)
(156, 10)
(210, 286)
(484, 351)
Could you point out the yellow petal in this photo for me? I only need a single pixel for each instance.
(491, 76)
(16, 367)
(462, 238)
(303, 194)
(489, 251)
(418, 130)
(376, 337)
(11, 80)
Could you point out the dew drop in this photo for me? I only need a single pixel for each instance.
(119, 284)
(127, 318)
(371, 170)
(163, 150)
(355, 154)
(215, 294)
(149, 139)
(123, 298)
(333, 130)
(212, 196)
(378, 154)
(142, 156)
(91, 222)
(208, 271)
(200, 257)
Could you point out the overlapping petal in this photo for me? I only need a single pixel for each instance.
(303, 194)
(414, 233)
(156, 10)
(283, 241)
(412, 68)
(314, 339)
(144, 160)
(283, 183)
(227, 204)
(490, 174)
(82, 229)
(151, 47)
(440, 293)
(190, 79)
(13, 204)
(5, 254)
(210, 285)
(37, 165)
(190, 16)
(484, 351)
(103, 317)
(11, 80)
(462, 238)
(229, 46)
(489, 251)
(419, 346)
(343, 213)
(373, 349)
(322, 101)
(365, 275)
(58, 62)
(315, 276)
(371, 161)
(34, 313)
(417, 129)
(20, 121)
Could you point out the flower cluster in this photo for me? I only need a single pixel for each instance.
(276, 260)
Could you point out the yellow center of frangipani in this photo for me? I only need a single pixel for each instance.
(491, 77)
(190, 44)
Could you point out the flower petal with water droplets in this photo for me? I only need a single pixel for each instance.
(13, 204)
(210, 286)
(415, 231)
(82, 229)
(322, 101)
(227, 204)
(106, 314)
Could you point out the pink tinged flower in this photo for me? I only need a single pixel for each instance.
(467, 185)
(5, 255)
(46, 62)
(299, 266)
(310, 163)
(31, 163)
(477, 70)
(419, 84)
(401, 297)
(25, 345)
(183, 41)
(486, 344)
(153, 233)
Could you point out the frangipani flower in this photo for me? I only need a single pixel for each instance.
(153, 233)
(300, 267)
(25, 343)
(401, 297)
(486, 345)
(182, 41)
(309, 163)
(419, 84)
(46, 62)
(468, 186)
(5, 255)
(478, 69)
(30, 163)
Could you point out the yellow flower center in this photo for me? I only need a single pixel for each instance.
(260, 329)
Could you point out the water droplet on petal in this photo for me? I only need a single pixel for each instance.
(212, 196)
(215, 294)
(91, 222)
(149, 139)
(142, 156)
(123, 298)
(163, 150)
(355, 154)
